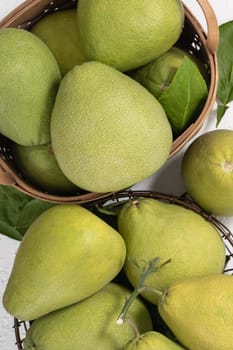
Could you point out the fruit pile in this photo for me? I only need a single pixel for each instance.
(91, 99)
(78, 274)
(97, 89)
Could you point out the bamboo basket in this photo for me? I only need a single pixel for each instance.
(21, 327)
(193, 39)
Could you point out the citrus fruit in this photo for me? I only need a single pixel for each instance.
(207, 170)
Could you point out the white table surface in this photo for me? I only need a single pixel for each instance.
(167, 180)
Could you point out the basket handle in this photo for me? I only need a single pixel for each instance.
(212, 26)
(5, 178)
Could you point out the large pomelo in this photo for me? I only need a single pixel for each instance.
(128, 34)
(90, 324)
(28, 85)
(108, 132)
(66, 255)
(153, 229)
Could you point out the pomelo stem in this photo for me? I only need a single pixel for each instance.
(140, 287)
(133, 327)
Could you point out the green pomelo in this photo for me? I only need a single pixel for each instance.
(152, 229)
(128, 34)
(152, 341)
(59, 31)
(38, 165)
(199, 312)
(66, 255)
(177, 79)
(30, 77)
(207, 170)
(108, 132)
(157, 75)
(90, 324)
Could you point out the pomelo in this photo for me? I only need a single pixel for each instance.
(207, 170)
(108, 132)
(153, 229)
(128, 34)
(90, 324)
(30, 77)
(66, 255)
(59, 31)
(39, 166)
(157, 75)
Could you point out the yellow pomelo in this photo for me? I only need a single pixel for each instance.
(128, 34)
(152, 229)
(199, 312)
(66, 255)
(207, 170)
(90, 324)
(59, 31)
(108, 132)
(30, 77)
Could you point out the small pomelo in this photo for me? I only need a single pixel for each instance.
(128, 34)
(108, 132)
(38, 164)
(207, 170)
(59, 31)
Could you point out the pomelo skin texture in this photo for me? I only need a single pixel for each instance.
(66, 255)
(90, 324)
(152, 341)
(108, 132)
(38, 164)
(30, 77)
(152, 229)
(59, 31)
(207, 171)
(128, 34)
(199, 312)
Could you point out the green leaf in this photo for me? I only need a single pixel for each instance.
(225, 67)
(30, 212)
(184, 97)
(11, 203)
(18, 211)
(9, 231)
(220, 112)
